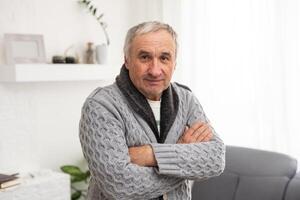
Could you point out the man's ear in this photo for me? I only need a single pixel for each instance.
(125, 62)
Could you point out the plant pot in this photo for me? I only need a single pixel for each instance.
(101, 53)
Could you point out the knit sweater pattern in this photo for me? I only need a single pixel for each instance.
(109, 125)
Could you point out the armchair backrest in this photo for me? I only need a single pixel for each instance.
(250, 174)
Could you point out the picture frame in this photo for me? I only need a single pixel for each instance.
(24, 48)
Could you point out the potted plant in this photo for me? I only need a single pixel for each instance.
(79, 181)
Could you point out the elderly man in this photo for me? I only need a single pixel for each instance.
(144, 137)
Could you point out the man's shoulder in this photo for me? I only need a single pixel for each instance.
(181, 86)
(183, 91)
(102, 92)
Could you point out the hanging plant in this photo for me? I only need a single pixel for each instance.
(98, 16)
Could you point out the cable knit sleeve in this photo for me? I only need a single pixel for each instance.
(102, 137)
(192, 161)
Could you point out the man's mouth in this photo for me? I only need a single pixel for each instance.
(154, 81)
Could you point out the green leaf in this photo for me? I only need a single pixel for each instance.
(76, 174)
(75, 179)
(94, 11)
(72, 170)
(76, 195)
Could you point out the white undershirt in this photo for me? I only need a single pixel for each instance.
(155, 106)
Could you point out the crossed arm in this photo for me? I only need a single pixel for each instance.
(144, 155)
(116, 169)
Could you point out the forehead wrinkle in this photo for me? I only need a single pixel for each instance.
(154, 50)
(154, 45)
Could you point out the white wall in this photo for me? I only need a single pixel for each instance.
(39, 121)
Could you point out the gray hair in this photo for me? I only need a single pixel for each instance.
(147, 27)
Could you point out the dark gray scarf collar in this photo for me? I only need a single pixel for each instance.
(138, 102)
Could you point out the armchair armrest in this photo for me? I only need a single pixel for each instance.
(293, 192)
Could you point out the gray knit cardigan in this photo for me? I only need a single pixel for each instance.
(118, 116)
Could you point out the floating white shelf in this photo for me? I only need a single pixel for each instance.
(55, 72)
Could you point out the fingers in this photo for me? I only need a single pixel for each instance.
(198, 132)
(190, 131)
(208, 137)
(203, 132)
(205, 136)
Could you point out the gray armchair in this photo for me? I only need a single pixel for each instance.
(252, 174)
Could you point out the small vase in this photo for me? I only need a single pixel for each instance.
(101, 53)
(89, 54)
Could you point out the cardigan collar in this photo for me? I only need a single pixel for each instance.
(140, 105)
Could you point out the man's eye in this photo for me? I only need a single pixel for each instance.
(144, 57)
(164, 58)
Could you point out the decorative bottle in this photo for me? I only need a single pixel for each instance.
(89, 55)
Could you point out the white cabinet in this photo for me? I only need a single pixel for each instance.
(43, 185)
(55, 72)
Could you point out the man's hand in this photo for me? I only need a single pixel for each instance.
(142, 155)
(198, 132)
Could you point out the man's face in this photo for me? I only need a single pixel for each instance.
(151, 63)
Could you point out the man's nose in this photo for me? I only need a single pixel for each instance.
(155, 68)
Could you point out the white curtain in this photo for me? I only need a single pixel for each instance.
(242, 59)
